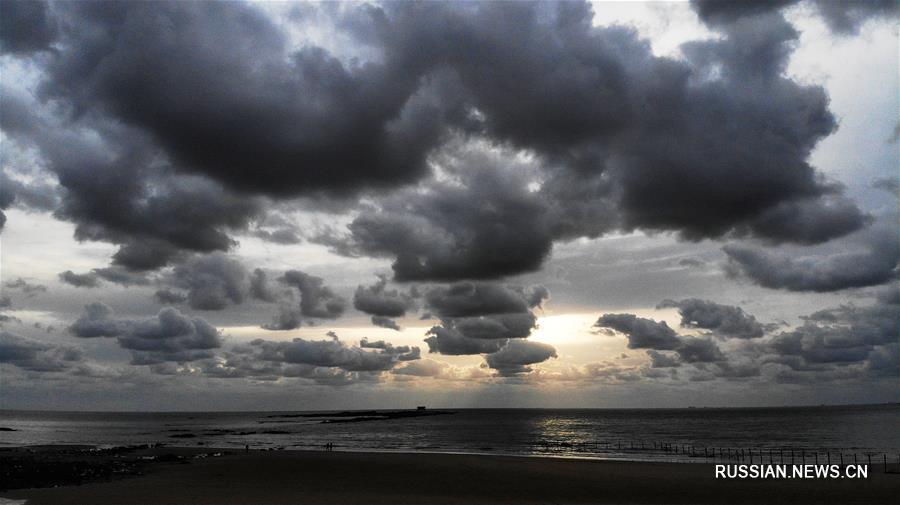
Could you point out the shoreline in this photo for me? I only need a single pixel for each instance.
(270, 477)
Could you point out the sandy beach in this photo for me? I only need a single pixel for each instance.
(297, 477)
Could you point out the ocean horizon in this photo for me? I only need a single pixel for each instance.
(657, 434)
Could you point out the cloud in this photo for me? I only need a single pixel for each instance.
(474, 313)
(170, 336)
(448, 341)
(724, 320)
(875, 264)
(97, 321)
(698, 350)
(213, 281)
(843, 17)
(663, 359)
(471, 227)
(35, 195)
(466, 299)
(177, 155)
(648, 334)
(36, 356)
(27, 288)
(848, 342)
(422, 368)
(385, 322)
(845, 334)
(517, 354)
(260, 288)
(88, 280)
(889, 184)
(26, 27)
(403, 352)
(332, 353)
(383, 304)
(317, 301)
(169, 297)
(642, 333)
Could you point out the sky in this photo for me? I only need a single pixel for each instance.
(289, 206)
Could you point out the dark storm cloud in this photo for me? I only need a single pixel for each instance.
(332, 353)
(36, 356)
(642, 333)
(88, 280)
(27, 288)
(648, 334)
(609, 180)
(516, 355)
(448, 341)
(170, 336)
(236, 105)
(809, 221)
(317, 301)
(479, 317)
(115, 187)
(115, 274)
(662, 359)
(166, 155)
(466, 299)
(515, 325)
(288, 317)
(842, 16)
(876, 264)
(25, 26)
(490, 226)
(385, 322)
(698, 350)
(725, 320)
(5, 302)
(212, 281)
(258, 361)
(97, 321)
(260, 288)
(884, 361)
(169, 297)
(121, 275)
(403, 352)
(383, 304)
(848, 342)
(36, 195)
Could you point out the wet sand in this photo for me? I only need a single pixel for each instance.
(295, 477)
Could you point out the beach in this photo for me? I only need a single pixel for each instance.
(211, 476)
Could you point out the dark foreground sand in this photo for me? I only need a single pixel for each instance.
(296, 478)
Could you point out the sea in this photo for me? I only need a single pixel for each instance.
(687, 434)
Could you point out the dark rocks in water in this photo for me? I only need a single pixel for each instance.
(359, 416)
(32, 467)
(384, 416)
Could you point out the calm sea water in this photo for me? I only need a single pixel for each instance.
(609, 434)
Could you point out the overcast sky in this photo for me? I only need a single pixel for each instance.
(240, 206)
